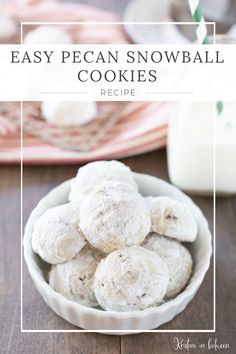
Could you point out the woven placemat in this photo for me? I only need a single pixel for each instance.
(82, 138)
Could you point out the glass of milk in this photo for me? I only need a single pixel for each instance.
(201, 145)
(191, 137)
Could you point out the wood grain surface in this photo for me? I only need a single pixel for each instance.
(36, 315)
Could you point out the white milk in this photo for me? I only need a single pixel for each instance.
(191, 147)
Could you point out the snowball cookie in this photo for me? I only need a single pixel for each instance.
(47, 35)
(57, 236)
(8, 27)
(95, 173)
(114, 216)
(177, 258)
(129, 279)
(74, 279)
(172, 218)
(69, 113)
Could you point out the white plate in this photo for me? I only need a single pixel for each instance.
(151, 11)
(94, 319)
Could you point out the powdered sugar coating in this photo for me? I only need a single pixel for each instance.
(57, 236)
(8, 26)
(172, 218)
(95, 173)
(129, 279)
(47, 35)
(177, 258)
(74, 279)
(114, 216)
(71, 113)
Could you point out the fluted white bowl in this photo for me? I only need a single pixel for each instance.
(95, 319)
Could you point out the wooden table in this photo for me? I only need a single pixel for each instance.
(36, 315)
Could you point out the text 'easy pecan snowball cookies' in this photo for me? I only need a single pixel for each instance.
(71, 113)
(47, 35)
(74, 279)
(95, 173)
(114, 216)
(129, 279)
(177, 258)
(57, 236)
(172, 218)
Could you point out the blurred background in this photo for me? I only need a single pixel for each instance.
(95, 131)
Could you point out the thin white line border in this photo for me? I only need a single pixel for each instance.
(21, 194)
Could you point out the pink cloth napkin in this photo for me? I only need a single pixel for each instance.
(141, 129)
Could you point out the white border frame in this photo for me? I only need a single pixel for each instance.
(214, 198)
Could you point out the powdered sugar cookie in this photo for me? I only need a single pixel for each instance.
(114, 216)
(8, 27)
(47, 35)
(133, 278)
(74, 279)
(69, 113)
(95, 173)
(57, 236)
(177, 258)
(172, 218)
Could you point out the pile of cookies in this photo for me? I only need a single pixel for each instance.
(111, 247)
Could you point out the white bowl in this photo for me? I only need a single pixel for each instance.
(95, 319)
